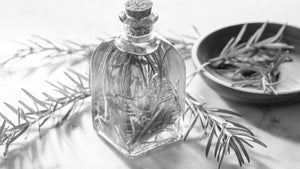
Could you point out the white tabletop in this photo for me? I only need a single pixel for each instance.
(75, 145)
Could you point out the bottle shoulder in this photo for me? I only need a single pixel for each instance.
(136, 45)
(141, 45)
(149, 45)
(104, 45)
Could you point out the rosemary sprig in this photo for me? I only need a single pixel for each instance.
(254, 63)
(227, 134)
(214, 121)
(52, 54)
(52, 49)
(42, 110)
(56, 51)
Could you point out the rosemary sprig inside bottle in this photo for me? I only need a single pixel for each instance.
(254, 63)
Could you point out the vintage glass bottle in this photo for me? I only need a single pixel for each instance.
(137, 85)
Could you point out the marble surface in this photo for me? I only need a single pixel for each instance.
(75, 145)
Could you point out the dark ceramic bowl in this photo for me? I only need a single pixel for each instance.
(210, 46)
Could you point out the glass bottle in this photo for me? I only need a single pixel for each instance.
(137, 85)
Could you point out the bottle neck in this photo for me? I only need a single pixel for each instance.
(139, 45)
(136, 32)
(138, 37)
(135, 27)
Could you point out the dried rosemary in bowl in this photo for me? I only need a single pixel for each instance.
(254, 63)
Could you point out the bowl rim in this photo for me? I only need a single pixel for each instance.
(201, 68)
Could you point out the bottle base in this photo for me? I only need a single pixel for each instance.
(139, 149)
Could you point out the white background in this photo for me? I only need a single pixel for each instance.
(84, 20)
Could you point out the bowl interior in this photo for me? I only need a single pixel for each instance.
(211, 45)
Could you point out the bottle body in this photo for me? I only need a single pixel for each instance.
(138, 88)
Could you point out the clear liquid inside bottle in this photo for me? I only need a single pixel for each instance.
(138, 88)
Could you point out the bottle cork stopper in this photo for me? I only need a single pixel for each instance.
(138, 8)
